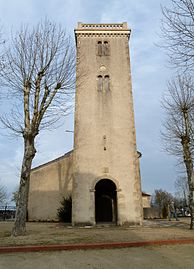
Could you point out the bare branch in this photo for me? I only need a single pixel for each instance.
(3, 194)
(178, 33)
(177, 133)
(178, 104)
(40, 79)
(182, 188)
(41, 65)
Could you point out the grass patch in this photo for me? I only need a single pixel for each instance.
(56, 233)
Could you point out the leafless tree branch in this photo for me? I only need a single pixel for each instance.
(178, 33)
(177, 133)
(40, 79)
(182, 188)
(3, 194)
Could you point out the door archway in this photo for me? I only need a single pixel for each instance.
(105, 201)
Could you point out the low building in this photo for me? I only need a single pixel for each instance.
(146, 200)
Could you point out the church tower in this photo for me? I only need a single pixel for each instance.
(106, 178)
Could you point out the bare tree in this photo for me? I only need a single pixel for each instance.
(177, 132)
(3, 194)
(1, 52)
(15, 196)
(182, 188)
(40, 78)
(178, 33)
(162, 199)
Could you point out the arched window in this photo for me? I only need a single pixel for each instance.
(106, 48)
(103, 48)
(100, 83)
(106, 83)
(99, 48)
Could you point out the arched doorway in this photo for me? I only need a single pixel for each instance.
(105, 201)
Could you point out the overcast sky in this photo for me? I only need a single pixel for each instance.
(149, 77)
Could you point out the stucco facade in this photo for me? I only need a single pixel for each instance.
(146, 200)
(104, 165)
(49, 183)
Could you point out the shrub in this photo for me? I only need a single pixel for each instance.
(65, 210)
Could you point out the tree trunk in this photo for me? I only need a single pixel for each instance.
(189, 169)
(191, 207)
(22, 205)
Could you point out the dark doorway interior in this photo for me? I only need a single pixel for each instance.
(105, 201)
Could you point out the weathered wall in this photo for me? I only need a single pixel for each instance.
(146, 201)
(151, 213)
(49, 183)
(105, 118)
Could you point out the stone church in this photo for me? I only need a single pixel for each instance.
(101, 173)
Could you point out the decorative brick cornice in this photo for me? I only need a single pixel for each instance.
(102, 30)
(103, 26)
(101, 34)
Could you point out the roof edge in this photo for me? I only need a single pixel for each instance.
(54, 160)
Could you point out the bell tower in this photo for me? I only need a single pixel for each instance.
(106, 178)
